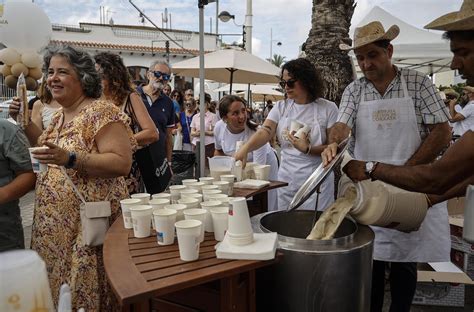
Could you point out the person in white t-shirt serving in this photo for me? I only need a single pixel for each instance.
(299, 156)
(463, 120)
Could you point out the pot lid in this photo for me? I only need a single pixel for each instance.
(317, 177)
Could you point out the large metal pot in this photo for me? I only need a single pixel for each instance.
(331, 275)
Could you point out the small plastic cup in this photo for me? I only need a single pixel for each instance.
(209, 187)
(141, 218)
(196, 186)
(143, 197)
(162, 196)
(183, 193)
(164, 222)
(189, 202)
(196, 196)
(188, 232)
(220, 221)
(225, 186)
(208, 205)
(206, 180)
(125, 204)
(186, 182)
(262, 172)
(179, 210)
(197, 214)
(207, 193)
(302, 131)
(295, 125)
(218, 197)
(37, 166)
(175, 191)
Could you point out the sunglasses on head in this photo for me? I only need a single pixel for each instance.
(290, 83)
(161, 75)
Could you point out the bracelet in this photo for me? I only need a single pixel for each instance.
(308, 152)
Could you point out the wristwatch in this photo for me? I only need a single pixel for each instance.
(369, 168)
(71, 161)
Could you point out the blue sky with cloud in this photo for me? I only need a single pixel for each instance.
(289, 20)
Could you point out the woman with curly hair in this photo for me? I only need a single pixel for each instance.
(117, 88)
(299, 156)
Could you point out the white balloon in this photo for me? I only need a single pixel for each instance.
(24, 26)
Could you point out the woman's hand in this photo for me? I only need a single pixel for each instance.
(14, 108)
(300, 144)
(53, 155)
(241, 155)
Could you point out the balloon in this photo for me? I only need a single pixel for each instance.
(24, 26)
(19, 68)
(31, 84)
(6, 70)
(9, 56)
(10, 81)
(35, 73)
(31, 59)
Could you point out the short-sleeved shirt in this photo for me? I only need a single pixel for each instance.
(209, 123)
(462, 126)
(429, 107)
(161, 112)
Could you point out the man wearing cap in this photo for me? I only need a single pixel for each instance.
(396, 116)
(450, 175)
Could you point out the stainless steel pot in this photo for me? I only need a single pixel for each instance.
(330, 275)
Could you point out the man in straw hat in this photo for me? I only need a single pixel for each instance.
(394, 115)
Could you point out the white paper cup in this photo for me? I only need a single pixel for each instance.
(125, 204)
(162, 196)
(175, 191)
(143, 197)
(157, 203)
(141, 218)
(295, 125)
(197, 214)
(164, 222)
(186, 182)
(179, 210)
(248, 171)
(188, 232)
(37, 166)
(185, 192)
(208, 187)
(208, 227)
(189, 202)
(220, 223)
(224, 186)
(302, 131)
(196, 186)
(240, 230)
(262, 172)
(238, 171)
(206, 180)
(231, 178)
(218, 197)
(207, 193)
(196, 196)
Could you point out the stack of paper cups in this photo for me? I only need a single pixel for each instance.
(127, 216)
(164, 222)
(240, 230)
(262, 172)
(208, 222)
(188, 232)
(141, 218)
(197, 214)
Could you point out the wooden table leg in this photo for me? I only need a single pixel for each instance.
(238, 293)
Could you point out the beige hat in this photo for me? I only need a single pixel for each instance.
(455, 21)
(370, 33)
(469, 89)
(450, 91)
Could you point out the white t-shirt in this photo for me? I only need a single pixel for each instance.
(462, 126)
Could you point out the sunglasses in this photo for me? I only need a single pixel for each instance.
(290, 83)
(161, 75)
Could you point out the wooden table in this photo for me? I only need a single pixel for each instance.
(260, 196)
(146, 276)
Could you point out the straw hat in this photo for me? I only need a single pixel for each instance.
(451, 92)
(455, 21)
(468, 89)
(370, 33)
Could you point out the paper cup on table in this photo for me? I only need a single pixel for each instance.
(209, 187)
(164, 222)
(125, 204)
(196, 196)
(240, 230)
(179, 210)
(231, 178)
(207, 193)
(157, 203)
(302, 131)
(141, 218)
(248, 172)
(206, 180)
(197, 214)
(220, 221)
(218, 197)
(189, 202)
(295, 125)
(143, 197)
(238, 171)
(223, 186)
(188, 232)
(162, 196)
(196, 186)
(183, 193)
(37, 166)
(207, 206)
(262, 172)
(186, 182)
(175, 191)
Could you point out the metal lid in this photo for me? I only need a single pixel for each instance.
(317, 178)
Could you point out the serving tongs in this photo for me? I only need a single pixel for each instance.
(313, 183)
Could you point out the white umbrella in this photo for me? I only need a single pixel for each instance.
(260, 92)
(230, 66)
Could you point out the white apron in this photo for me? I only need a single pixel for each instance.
(296, 167)
(387, 131)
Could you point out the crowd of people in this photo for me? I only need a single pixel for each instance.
(103, 135)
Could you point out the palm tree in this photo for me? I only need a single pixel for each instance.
(277, 60)
(330, 23)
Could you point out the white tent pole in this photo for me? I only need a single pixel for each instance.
(202, 104)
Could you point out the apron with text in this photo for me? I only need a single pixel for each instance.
(296, 167)
(387, 131)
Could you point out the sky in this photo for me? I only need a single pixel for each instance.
(289, 20)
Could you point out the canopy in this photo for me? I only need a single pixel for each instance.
(414, 48)
(260, 92)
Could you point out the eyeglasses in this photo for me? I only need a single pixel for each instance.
(189, 94)
(159, 74)
(290, 83)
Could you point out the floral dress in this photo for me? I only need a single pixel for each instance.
(57, 235)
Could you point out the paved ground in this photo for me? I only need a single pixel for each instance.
(27, 209)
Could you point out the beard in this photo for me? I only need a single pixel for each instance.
(157, 86)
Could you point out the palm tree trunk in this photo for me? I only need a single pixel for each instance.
(330, 23)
